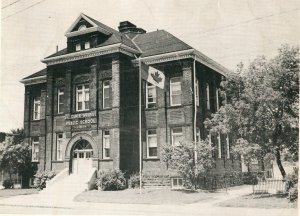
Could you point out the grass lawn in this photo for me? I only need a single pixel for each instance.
(15, 192)
(259, 201)
(148, 196)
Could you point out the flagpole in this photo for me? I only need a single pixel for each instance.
(140, 120)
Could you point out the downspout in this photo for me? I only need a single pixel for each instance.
(195, 107)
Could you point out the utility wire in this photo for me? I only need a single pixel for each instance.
(23, 9)
(10, 4)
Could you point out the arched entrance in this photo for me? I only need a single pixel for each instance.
(82, 154)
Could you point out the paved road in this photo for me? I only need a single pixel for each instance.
(36, 204)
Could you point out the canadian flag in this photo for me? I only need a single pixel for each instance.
(152, 75)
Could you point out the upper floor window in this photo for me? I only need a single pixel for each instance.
(36, 108)
(60, 100)
(197, 92)
(177, 136)
(175, 91)
(59, 142)
(82, 27)
(207, 97)
(106, 144)
(150, 96)
(78, 47)
(87, 45)
(151, 143)
(35, 149)
(82, 97)
(106, 94)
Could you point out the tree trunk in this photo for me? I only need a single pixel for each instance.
(278, 161)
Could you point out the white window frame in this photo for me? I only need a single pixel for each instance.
(228, 147)
(177, 186)
(35, 142)
(85, 91)
(148, 147)
(207, 97)
(60, 100)
(219, 146)
(87, 45)
(106, 140)
(148, 87)
(172, 84)
(197, 92)
(106, 88)
(82, 27)
(173, 134)
(217, 99)
(59, 143)
(37, 109)
(78, 47)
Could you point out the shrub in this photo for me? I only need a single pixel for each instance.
(250, 178)
(111, 180)
(134, 180)
(292, 185)
(7, 184)
(41, 178)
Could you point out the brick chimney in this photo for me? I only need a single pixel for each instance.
(130, 29)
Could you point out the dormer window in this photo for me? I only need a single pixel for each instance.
(82, 27)
(87, 45)
(78, 47)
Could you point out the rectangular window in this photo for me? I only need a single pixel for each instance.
(59, 142)
(151, 143)
(217, 99)
(35, 149)
(177, 183)
(106, 94)
(106, 144)
(78, 47)
(177, 136)
(219, 146)
(198, 138)
(197, 92)
(228, 147)
(82, 97)
(175, 91)
(60, 101)
(207, 97)
(150, 96)
(87, 45)
(36, 108)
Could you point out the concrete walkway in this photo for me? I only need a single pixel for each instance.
(62, 204)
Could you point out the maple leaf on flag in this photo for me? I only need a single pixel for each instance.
(156, 77)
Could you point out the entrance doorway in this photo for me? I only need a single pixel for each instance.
(82, 157)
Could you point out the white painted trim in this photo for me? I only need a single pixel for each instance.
(147, 140)
(87, 30)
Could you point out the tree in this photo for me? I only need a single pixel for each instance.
(17, 159)
(182, 159)
(18, 135)
(261, 110)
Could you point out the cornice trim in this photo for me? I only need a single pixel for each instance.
(34, 80)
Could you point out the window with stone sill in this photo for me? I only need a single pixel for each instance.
(60, 101)
(151, 143)
(106, 144)
(177, 183)
(35, 149)
(82, 97)
(150, 96)
(106, 91)
(177, 136)
(175, 91)
(59, 143)
(36, 108)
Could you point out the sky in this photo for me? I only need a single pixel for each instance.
(228, 31)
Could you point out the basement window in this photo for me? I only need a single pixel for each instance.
(177, 183)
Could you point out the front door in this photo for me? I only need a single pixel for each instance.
(82, 157)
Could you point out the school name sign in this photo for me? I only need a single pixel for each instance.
(81, 121)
